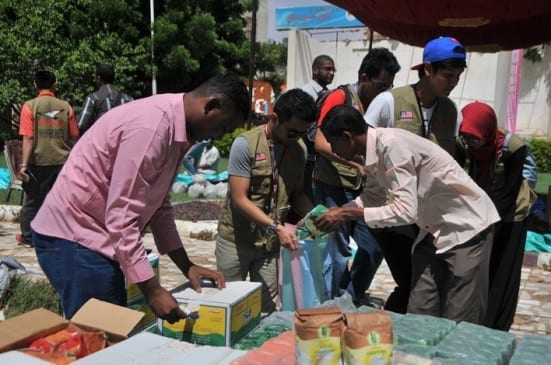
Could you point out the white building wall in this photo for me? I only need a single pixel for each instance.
(485, 79)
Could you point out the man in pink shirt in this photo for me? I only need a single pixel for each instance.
(410, 180)
(116, 181)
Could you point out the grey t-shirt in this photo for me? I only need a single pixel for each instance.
(239, 163)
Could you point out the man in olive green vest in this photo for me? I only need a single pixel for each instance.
(339, 181)
(49, 130)
(266, 172)
(425, 109)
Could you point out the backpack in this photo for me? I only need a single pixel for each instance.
(322, 96)
(530, 168)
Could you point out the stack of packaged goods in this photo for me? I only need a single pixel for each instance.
(532, 350)
(394, 316)
(473, 344)
(418, 334)
(270, 327)
(279, 350)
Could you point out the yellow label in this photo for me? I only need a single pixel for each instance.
(245, 310)
(208, 329)
(369, 355)
(212, 320)
(320, 351)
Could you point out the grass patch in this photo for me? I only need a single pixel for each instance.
(544, 181)
(25, 294)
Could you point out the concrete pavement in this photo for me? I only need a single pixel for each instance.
(533, 312)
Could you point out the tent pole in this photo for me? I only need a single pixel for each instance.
(370, 39)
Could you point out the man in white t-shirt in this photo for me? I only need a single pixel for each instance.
(425, 109)
(208, 163)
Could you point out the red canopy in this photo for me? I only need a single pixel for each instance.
(483, 25)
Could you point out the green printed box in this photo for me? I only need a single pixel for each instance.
(225, 316)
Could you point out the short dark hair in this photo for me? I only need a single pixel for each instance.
(451, 63)
(106, 73)
(321, 58)
(44, 79)
(227, 87)
(377, 60)
(298, 103)
(342, 118)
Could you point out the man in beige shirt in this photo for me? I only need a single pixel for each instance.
(410, 180)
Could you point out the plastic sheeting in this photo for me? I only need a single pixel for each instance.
(4, 178)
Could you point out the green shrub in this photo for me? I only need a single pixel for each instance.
(224, 144)
(25, 294)
(541, 148)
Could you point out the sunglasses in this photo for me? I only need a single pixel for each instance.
(381, 86)
(295, 133)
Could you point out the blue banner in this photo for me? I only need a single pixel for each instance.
(314, 17)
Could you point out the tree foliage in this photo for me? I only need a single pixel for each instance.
(69, 38)
(197, 39)
(193, 40)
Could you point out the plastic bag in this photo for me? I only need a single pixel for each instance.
(196, 190)
(210, 191)
(199, 179)
(302, 275)
(308, 228)
(221, 189)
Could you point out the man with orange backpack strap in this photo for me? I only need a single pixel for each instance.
(339, 181)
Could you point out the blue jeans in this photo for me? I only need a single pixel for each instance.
(368, 256)
(78, 273)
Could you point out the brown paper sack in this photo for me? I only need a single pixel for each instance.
(367, 338)
(318, 334)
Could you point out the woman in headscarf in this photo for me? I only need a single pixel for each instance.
(496, 158)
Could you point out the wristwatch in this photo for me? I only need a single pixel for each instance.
(272, 228)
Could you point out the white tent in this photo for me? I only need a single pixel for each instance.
(488, 77)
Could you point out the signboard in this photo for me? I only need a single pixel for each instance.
(263, 97)
(314, 17)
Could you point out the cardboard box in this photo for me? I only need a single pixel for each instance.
(225, 316)
(21, 331)
(133, 291)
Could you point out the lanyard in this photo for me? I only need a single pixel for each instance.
(425, 132)
(275, 169)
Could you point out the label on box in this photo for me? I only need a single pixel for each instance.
(209, 329)
(245, 316)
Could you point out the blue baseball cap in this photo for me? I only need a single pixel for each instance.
(440, 49)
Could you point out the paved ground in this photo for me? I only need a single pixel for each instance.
(533, 312)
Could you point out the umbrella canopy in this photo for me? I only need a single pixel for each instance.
(481, 25)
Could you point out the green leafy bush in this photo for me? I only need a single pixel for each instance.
(541, 148)
(224, 144)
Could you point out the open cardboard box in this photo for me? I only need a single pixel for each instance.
(19, 332)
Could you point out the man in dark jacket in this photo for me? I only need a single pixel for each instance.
(103, 99)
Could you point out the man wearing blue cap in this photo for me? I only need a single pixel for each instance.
(425, 109)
